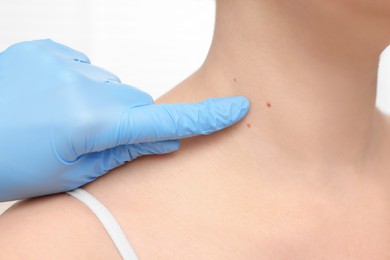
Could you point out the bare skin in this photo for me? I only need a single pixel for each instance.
(304, 176)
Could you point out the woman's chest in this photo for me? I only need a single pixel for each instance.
(277, 223)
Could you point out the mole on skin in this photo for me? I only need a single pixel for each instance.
(248, 125)
(269, 105)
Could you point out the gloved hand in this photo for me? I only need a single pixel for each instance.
(65, 122)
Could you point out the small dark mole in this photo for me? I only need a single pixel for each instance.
(269, 104)
(235, 80)
(248, 125)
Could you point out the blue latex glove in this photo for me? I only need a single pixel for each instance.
(65, 122)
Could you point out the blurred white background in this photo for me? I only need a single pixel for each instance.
(151, 44)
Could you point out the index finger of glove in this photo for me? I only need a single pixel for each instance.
(175, 121)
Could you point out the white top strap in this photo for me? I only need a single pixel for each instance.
(110, 224)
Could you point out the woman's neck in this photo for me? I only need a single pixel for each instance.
(311, 80)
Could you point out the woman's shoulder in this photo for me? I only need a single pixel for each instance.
(52, 227)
